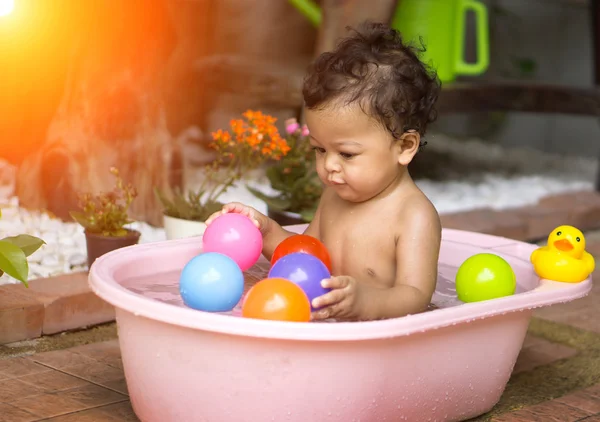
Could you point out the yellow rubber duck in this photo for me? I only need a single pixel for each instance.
(564, 257)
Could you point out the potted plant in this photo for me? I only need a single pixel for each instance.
(14, 251)
(184, 215)
(104, 217)
(295, 178)
(250, 142)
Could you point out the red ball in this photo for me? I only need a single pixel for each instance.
(305, 244)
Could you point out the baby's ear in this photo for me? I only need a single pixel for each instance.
(408, 146)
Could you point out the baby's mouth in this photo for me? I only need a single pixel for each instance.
(563, 245)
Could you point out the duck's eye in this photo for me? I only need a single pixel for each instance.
(558, 233)
(578, 239)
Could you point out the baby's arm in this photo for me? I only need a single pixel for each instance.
(313, 228)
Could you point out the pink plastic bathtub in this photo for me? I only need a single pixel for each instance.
(448, 364)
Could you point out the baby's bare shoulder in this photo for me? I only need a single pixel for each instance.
(417, 211)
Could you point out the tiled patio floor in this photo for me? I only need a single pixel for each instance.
(86, 383)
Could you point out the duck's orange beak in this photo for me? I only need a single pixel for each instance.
(563, 245)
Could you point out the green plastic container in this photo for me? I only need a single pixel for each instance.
(441, 24)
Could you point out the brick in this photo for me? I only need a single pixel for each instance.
(70, 303)
(59, 359)
(542, 220)
(585, 400)
(541, 352)
(21, 314)
(90, 415)
(582, 313)
(94, 395)
(10, 413)
(551, 411)
(122, 411)
(506, 224)
(97, 372)
(14, 389)
(48, 405)
(585, 206)
(517, 416)
(579, 209)
(20, 367)
(53, 381)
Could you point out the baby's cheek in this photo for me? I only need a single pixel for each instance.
(321, 172)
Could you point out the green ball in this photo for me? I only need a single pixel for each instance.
(485, 276)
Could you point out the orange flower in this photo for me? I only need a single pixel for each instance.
(250, 141)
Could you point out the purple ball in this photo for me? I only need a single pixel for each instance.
(306, 270)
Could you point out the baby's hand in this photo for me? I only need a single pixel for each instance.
(341, 303)
(260, 220)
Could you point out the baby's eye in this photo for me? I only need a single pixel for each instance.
(578, 239)
(558, 233)
(319, 150)
(346, 155)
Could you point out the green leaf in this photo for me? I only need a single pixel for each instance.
(162, 198)
(13, 261)
(277, 203)
(308, 215)
(80, 218)
(209, 209)
(28, 244)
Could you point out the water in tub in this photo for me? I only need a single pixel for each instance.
(165, 286)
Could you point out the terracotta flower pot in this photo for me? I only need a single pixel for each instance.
(98, 245)
(285, 218)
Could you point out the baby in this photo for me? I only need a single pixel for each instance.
(367, 105)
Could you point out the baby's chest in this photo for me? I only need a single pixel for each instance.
(360, 248)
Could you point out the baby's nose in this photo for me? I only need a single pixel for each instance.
(331, 164)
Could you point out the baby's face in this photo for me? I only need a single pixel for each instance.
(355, 156)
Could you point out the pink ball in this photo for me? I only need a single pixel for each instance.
(236, 236)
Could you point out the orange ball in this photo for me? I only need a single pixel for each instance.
(276, 299)
(302, 243)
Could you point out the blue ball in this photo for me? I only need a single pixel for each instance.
(211, 282)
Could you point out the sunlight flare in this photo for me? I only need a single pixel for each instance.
(6, 7)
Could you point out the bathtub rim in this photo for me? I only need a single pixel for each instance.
(547, 293)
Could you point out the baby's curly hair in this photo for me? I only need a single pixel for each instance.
(385, 75)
